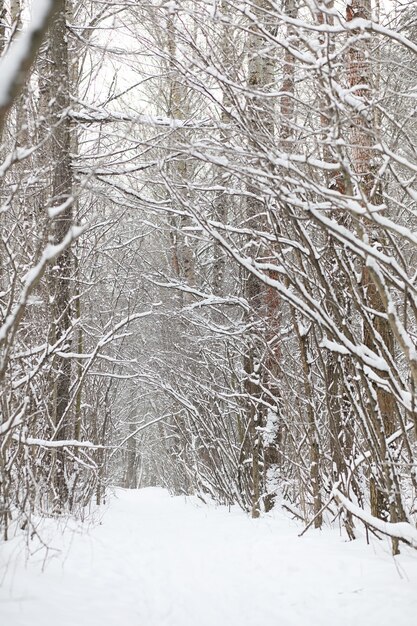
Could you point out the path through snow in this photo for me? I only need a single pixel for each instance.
(162, 561)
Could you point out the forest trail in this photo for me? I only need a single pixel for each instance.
(161, 561)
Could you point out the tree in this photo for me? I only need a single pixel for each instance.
(249, 167)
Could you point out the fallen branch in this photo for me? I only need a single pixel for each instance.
(293, 511)
(323, 508)
(400, 530)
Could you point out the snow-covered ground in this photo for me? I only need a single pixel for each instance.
(161, 561)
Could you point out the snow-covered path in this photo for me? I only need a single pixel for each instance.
(162, 561)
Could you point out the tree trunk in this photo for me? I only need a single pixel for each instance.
(60, 276)
(378, 333)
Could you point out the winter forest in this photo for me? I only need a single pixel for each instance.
(209, 259)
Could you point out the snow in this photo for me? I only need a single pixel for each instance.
(33, 276)
(64, 443)
(161, 561)
(12, 63)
